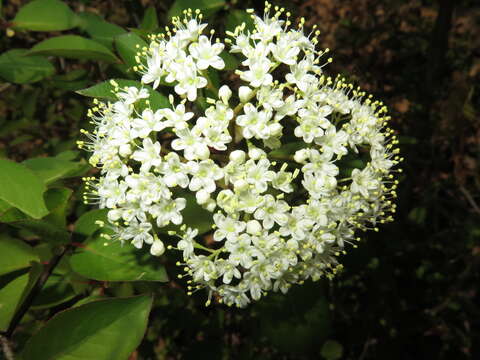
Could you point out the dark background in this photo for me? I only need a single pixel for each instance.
(407, 292)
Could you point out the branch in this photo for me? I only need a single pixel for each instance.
(42, 279)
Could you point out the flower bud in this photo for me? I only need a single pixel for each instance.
(157, 248)
(254, 227)
(240, 185)
(301, 156)
(202, 196)
(225, 93)
(256, 153)
(237, 156)
(244, 93)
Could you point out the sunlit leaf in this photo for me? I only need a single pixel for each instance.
(99, 29)
(50, 169)
(21, 188)
(75, 47)
(45, 15)
(104, 90)
(126, 45)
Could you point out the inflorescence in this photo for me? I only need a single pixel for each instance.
(279, 218)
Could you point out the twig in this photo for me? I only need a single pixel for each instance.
(470, 199)
(7, 350)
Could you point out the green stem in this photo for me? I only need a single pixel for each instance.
(200, 246)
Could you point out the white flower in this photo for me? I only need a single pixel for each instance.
(194, 147)
(206, 54)
(150, 121)
(204, 175)
(227, 227)
(258, 73)
(132, 94)
(273, 211)
(186, 243)
(174, 171)
(189, 86)
(168, 211)
(254, 123)
(264, 164)
(149, 155)
(177, 118)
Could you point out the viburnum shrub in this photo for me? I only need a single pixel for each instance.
(269, 154)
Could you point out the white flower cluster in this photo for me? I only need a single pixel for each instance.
(279, 217)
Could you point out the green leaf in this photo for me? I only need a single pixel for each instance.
(236, 18)
(4, 206)
(21, 188)
(99, 29)
(108, 260)
(332, 350)
(208, 7)
(45, 15)
(104, 90)
(100, 330)
(74, 47)
(150, 20)
(126, 45)
(11, 289)
(16, 255)
(20, 69)
(86, 225)
(51, 169)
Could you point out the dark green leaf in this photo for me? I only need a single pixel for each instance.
(56, 290)
(16, 255)
(332, 350)
(75, 47)
(304, 323)
(126, 45)
(86, 224)
(231, 62)
(99, 29)
(236, 18)
(57, 201)
(45, 15)
(20, 69)
(194, 216)
(52, 227)
(150, 20)
(109, 260)
(287, 150)
(100, 330)
(208, 7)
(21, 188)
